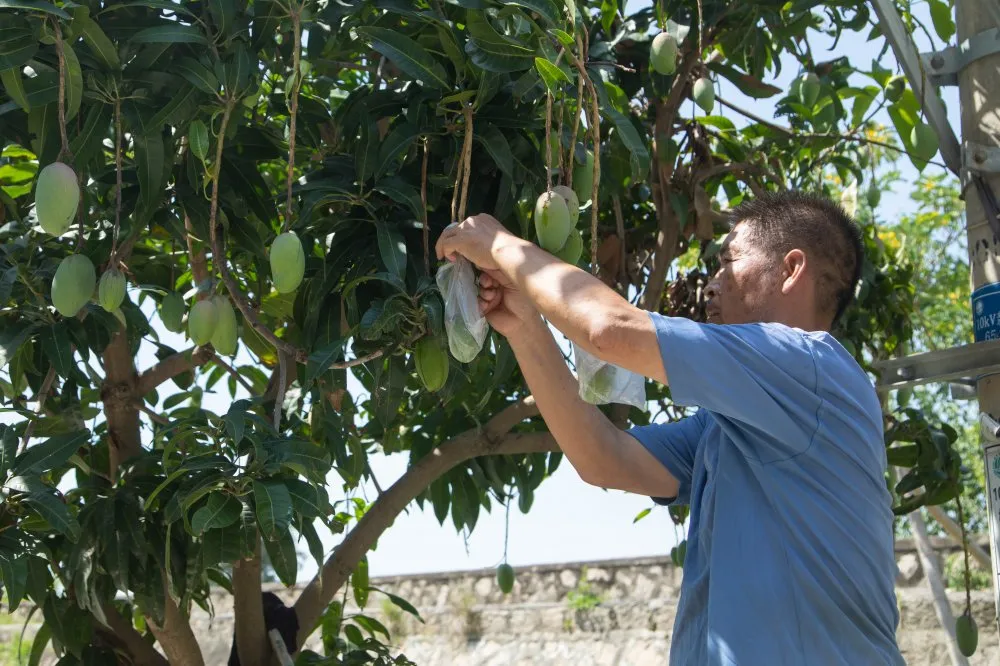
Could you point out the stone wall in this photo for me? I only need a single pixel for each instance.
(617, 613)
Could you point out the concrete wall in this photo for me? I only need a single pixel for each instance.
(581, 614)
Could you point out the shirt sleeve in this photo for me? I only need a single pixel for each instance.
(675, 446)
(758, 380)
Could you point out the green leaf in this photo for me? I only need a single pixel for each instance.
(395, 145)
(307, 499)
(74, 82)
(50, 507)
(35, 5)
(235, 420)
(314, 543)
(197, 75)
(371, 625)
(304, 458)
(392, 248)
(497, 146)
(494, 52)
(359, 582)
(367, 152)
(13, 85)
(170, 34)
(551, 75)
(320, 360)
(14, 572)
(749, 85)
(50, 454)
(274, 507)
(18, 42)
(55, 343)
(102, 47)
(149, 160)
(38, 645)
(402, 192)
(639, 516)
(401, 603)
(222, 545)
(413, 59)
(284, 559)
(71, 625)
(8, 449)
(941, 16)
(85, 144)
(564, 37)
(544, 8)
(181, 98)
(221, 510)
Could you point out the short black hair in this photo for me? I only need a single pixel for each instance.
(785, 220)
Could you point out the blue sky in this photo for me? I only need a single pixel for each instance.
(570, 520)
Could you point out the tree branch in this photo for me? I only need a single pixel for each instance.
(252, 645)
(142, 653)
(199, 265)
(43, 393)
(172, 366)
(955, 532)
(175, 635)
(232, 371)
(493, 439)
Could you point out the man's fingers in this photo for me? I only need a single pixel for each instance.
(445, 243)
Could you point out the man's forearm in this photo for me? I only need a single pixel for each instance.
(575, 302)
(583, 432)
(586, 310)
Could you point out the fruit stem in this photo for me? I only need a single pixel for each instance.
(118, 180)
(293, 110)
(423, 204)
(965, 551)
(64, 151)
(548, 140)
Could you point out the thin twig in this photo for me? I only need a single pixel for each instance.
(965, 551)
(595, 122)
(620, 222)
(701, 30)
(576, 129)
(43, 393)
(813, 135)
(559, 133)
(218, 360)
(159, 418)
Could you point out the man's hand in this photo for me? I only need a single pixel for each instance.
(476, 239)
(506, 307)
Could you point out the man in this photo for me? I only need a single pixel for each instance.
(790, 544)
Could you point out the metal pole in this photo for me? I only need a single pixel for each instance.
(979, 99)
(906, 54)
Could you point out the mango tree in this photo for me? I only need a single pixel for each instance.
(269, 178)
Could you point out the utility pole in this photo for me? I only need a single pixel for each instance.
(974, 66)
(978, 55)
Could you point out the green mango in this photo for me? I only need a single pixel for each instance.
(924, 140)
(73, 284)
(57, 197)
(894, 88)
(809, 86)
(572, 202)
(111, 290)
(966, 634)
(703, 93)
(663, 54)
(573, 249)
(583, 178)
(552, 221)
(288, 262)
(432, 363)
(172, 312)
(201, 321)
(462, 343)
(505, 578)
(224, 334)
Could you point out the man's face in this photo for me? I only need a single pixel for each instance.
(744, 289)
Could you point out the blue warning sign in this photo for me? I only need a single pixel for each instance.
(986, 312)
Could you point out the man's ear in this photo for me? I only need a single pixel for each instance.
(793, 268)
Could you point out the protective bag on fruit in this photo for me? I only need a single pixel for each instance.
(465, 326)
(602, 383)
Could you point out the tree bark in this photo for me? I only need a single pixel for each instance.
(252, 644)
(942, 607)
(493, 439)
(176, 637)
(117, 394)
(170, 367)
(142, 653)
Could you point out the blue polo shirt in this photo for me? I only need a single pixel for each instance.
(790, 542)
